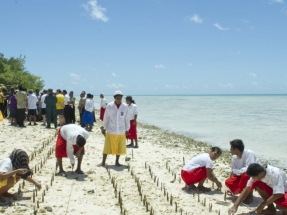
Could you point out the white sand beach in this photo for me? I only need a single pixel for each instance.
(147, 184)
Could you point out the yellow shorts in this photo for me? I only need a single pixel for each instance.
(115, 144)
(4, 182)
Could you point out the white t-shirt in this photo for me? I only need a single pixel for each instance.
(202, 160)
(103, 103)
(6, 165)
(274, 178)
(132, 111)
(240, 165)
(43, 100)
(70, 133)
(116, 120)
(32, 101)
(67, 99)
(89, 105)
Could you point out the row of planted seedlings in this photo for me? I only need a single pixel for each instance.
(195, 192)
(119, 193)
(40, 163)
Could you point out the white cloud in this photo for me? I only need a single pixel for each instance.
(254, 84)
(95, 10)
(114, 74)
(159, 66)
(74, 76)
(218, 26)
(244, 20)
(116, 86)
(190, 64)
(276, 1)
(195, 18)
(171, 87)
(252, 74)
(226, 85)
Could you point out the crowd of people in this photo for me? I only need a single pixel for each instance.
(119, 125)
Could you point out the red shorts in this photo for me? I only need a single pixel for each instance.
(236, 184)
(132, 131)
(61, 147)
(282, 202)
(102, 113)
(193, 177)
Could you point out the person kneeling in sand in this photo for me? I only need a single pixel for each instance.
(199, 168)
(12, 169)
(271, 184)
(70, 141)
(241, 159)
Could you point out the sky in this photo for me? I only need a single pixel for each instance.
(150, 47)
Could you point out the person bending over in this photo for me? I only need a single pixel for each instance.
(12, 169)
(199, 168)
(70, 141)
(271, 184)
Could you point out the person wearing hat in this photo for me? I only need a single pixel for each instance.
(132, 113)
(116, 126)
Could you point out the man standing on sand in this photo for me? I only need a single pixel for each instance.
(81, 107)
(67, 107)
(72, 100)
(270, 183)
(241, 159)
(43, 106)
(32, 107)
(22, 101)
(199, 168)
(103, 106)
(70, 141)
(51, 112)
(116, 126)
(60, 106)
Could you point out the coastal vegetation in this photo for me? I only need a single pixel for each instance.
(13, 72)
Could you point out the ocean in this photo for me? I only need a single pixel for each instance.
(259, 120)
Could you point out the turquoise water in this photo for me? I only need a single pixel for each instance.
(259, 120)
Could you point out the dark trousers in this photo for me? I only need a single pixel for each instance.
(72, 114)
(67, 114)
(51, 115)
(20, 116)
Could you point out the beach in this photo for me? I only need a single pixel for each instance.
(149, 183)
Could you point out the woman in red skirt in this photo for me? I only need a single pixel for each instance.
(132, 113)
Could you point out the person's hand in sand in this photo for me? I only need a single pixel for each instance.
(232, 210)
(103, 131)
(219, 185)
(39, 186)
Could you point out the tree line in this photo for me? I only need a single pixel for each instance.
(14, 73)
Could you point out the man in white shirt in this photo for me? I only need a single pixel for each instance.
(32, 106)
(70, 141)
(241, 159)
(116, 126)
(43, 106)
(199, 168)
(271, 184)
(67, 107)
(103, 106)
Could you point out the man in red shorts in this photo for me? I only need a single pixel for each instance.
(70, 141)
(199, 168)
(241, 159)
(271, 184)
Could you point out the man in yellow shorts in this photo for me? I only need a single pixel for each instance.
(116, 126)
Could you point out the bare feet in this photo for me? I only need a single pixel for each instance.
(101, 164)
(203, 189)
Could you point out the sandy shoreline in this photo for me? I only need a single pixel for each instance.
(155, 165)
